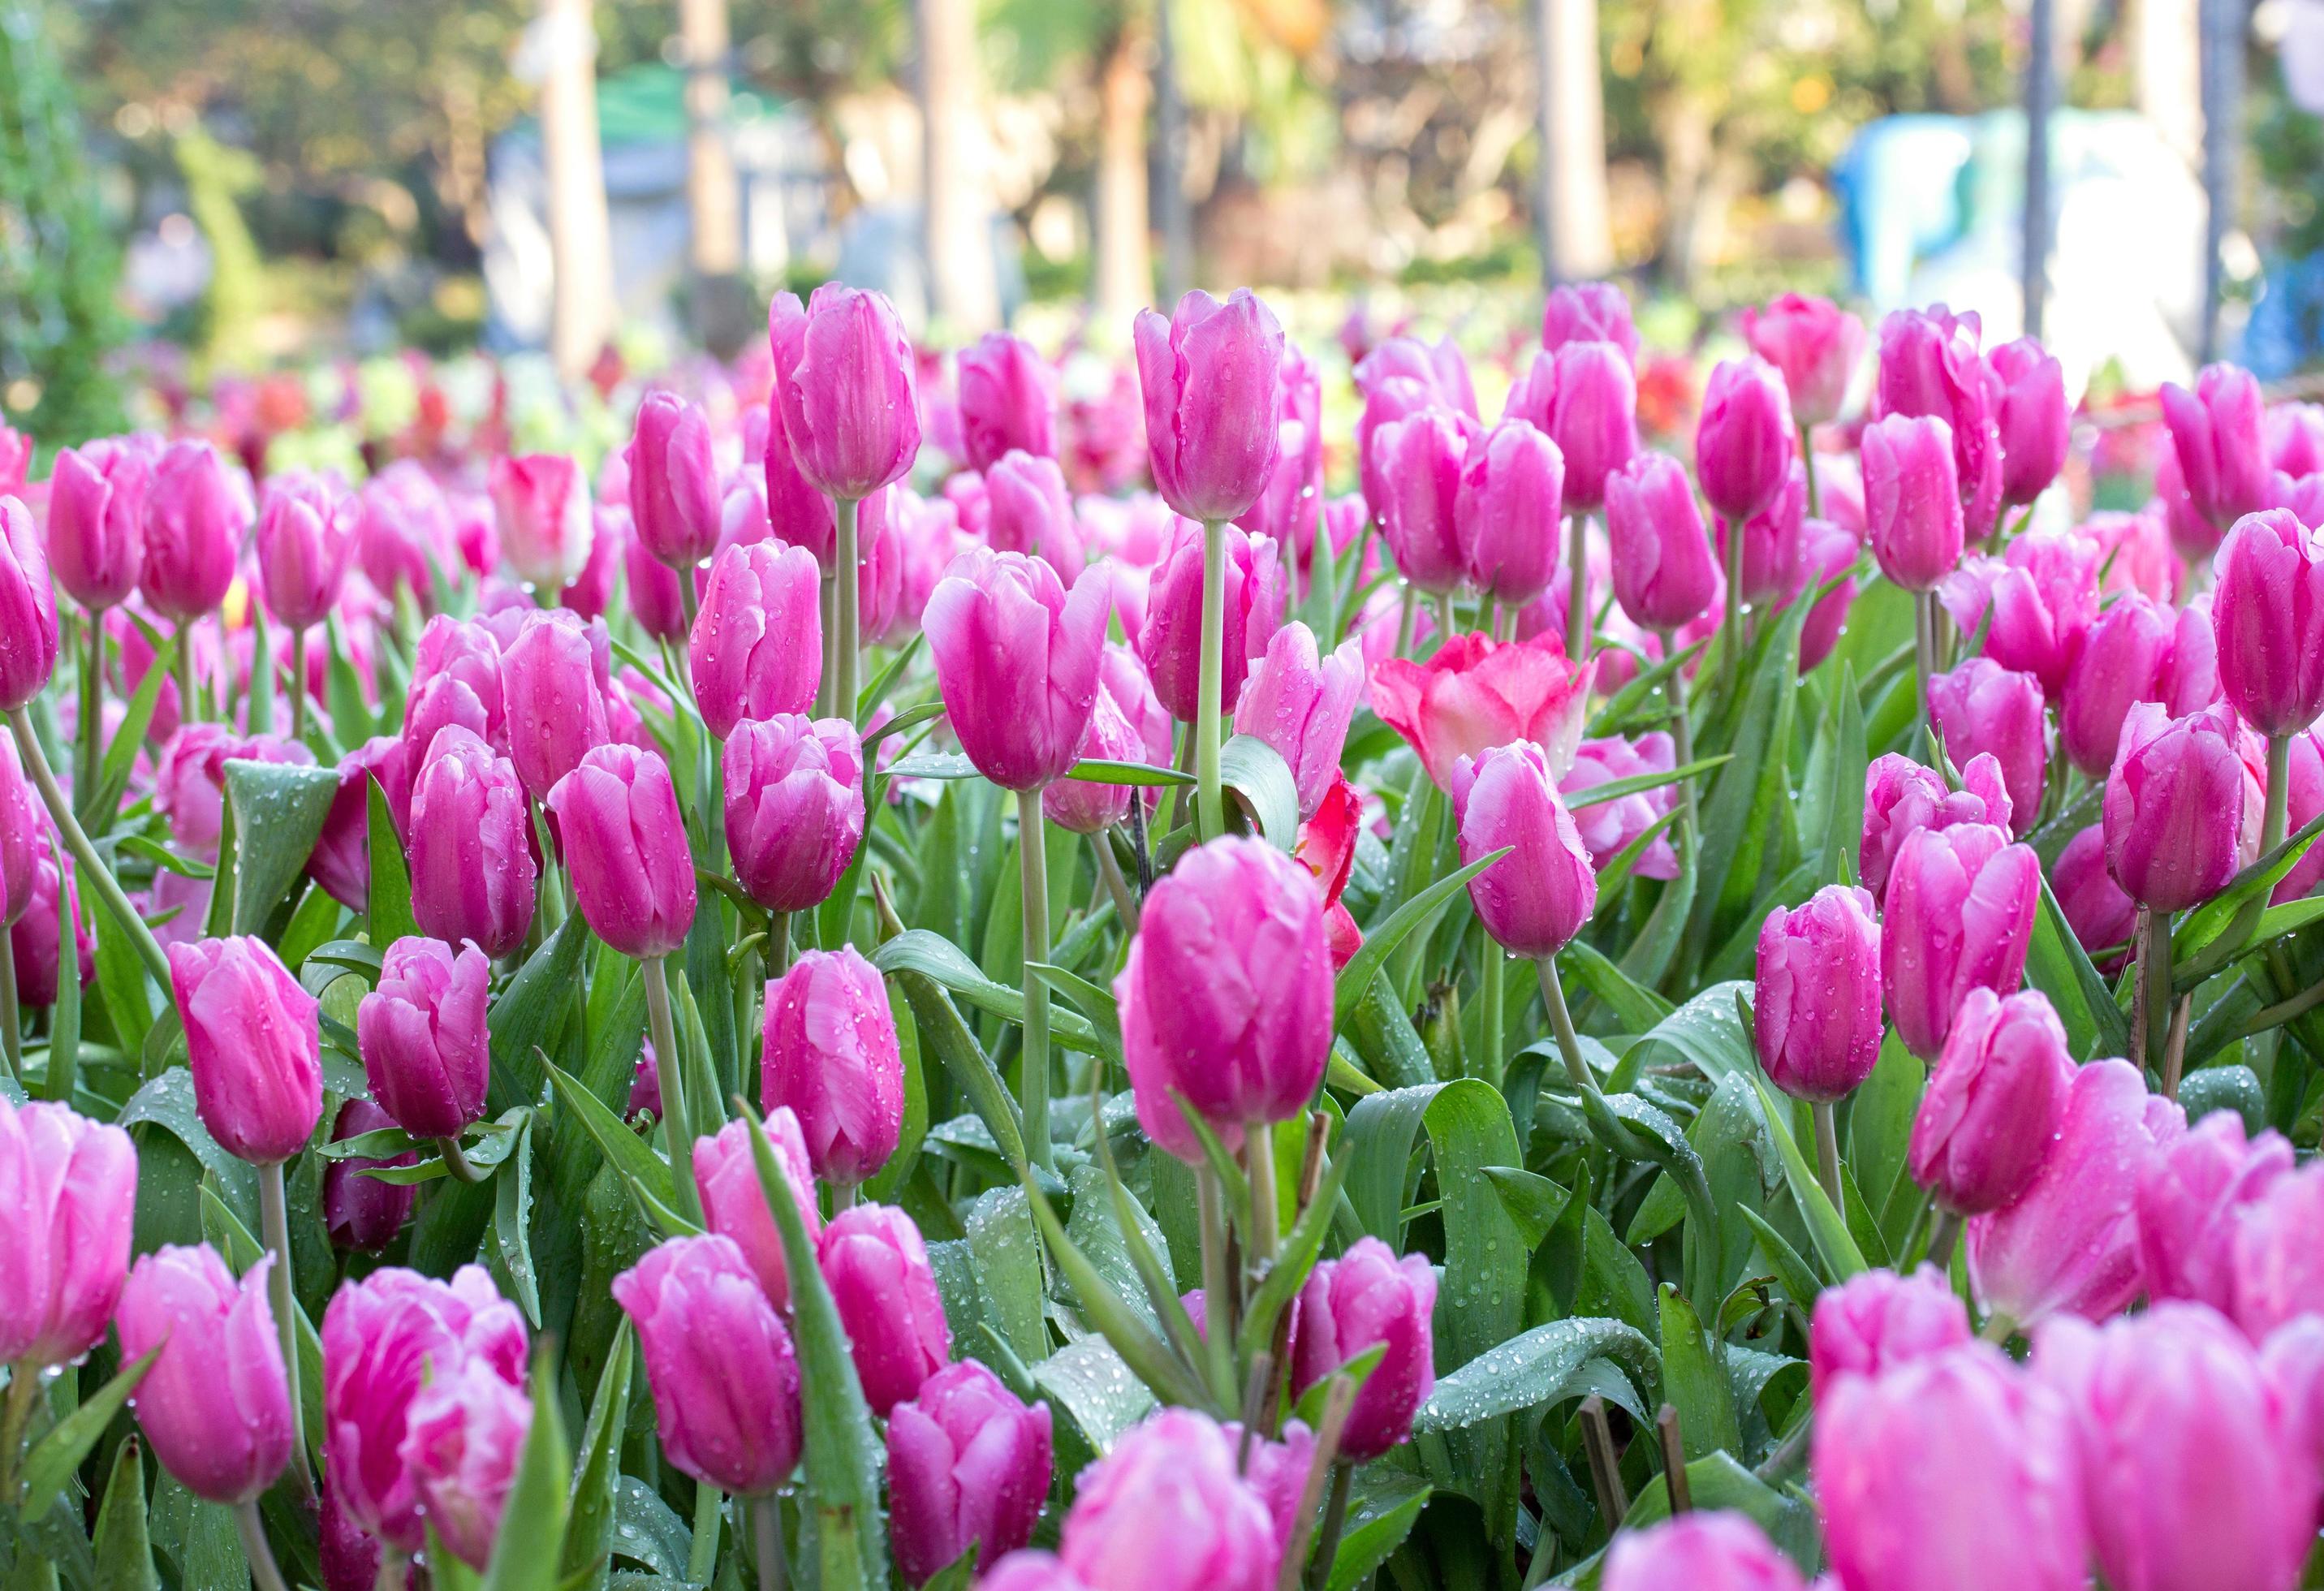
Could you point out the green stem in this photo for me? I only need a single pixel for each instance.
(1033, 865)
(709, 1513)
(1731, 632)
(15, 1415)
(1210, 804)
(1218, 1285)
(767, 1527)
(1683, 746)
(828, 681)
(1265, 1223)
(91, 873)
(1407, 621)
(2155, 971)
(188, 709)
(1827, 1138)
(1446, 625)
(1807, 464)
(89, 729)
(262, 1570)
(844, 1197)
(1560, 1022)
(778, 944)
(1488, 993)
(678, 1118)
(1924, 659)
(1942, 1239)
(299, 685)
(394, 1571)
(2274, 816)
(850, 577)
(11, 1018)
(1117, 887)
(274, 1221)
(1577, 601)
(455, 1160)
(1335, 1525)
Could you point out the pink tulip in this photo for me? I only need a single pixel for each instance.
(757, 646)
(1084, 806)
(2304, 798)
(734, 1202)
(1536, 898)
(1226, 996)
(69, 1196)
(341, 861)
(877, 1268)
(674, 497)
(1365, 1299)
(1585, 397)
(1506, 515)
(1167, 1510)
(1417, 461)
(1901, 797)
(1929, 367)
(1827, 552)
(1438, 367)
(306, 535)
(36, 940)
(1301, 704)
(1589, 312)
(1912, 500)
(2174, 807)
(2190, 1202)
(1008, 401)
(2069, 1243)
(455, 679)
(1209, 376)
(1030, 511)
(2030, 419)
(1953, 1469)
(472, 867)
(831, 1055)
(542, 506)
(28, 609)
(1028, 1568)
(1815, 343)
(2279, 1268)
(2217, 441)
(552, 691)
(1608, 827)
(1995, 1100)
(362, 1212)
(254, 1041)
(96, 520)
(1982, 709)
(625, 846)
(1387, 402)
(1771, 540)
(793, 807)
(196, 512)
(462, 1442)
(2043, 602)
(725, 1378)
(1877, 1321)
(1476, 692)
(1171, 641)
(1664, 573)
(2123, 660)
(1743, 444)
(2268, 614)
(850, 404)
(215, 1405)
(421, 1031)
(1816, 1008)
(1016, 662)
(1711, 1550)
(1957, 916)
(968, 1465)
(2193, 1472)
(2101, 914)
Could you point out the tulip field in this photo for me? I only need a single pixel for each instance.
(1225, 970)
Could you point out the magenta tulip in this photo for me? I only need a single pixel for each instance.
(552, 692)
(2303, 800)
(1665, 575)
(1930, 366)
(36, 941)
(215, 1405)
(674, 497)
(1168, 1510)
(1815, 1012)
(1032, 513)
(757, 646)
(1028, 1568)
(2191, 1200)
(2174, 803)
(1827, 552)
(2101, 914)
(1743, 443)
(306, 535)
(794, 807)
(1608, 827)
(2040, 607)
(2123, 659)
(96, 520)
(341, 861)
(421, 1032)
(1438, 367)
(1957, 916)
(651, 586)
(968, 1465)
(462, 1442)
(541, 504)
(196, 512)
(725, 1378)
(1537, 897)
(2030, 419)
(1226, 996)
(1301, 704)
(850, 405)
(734, 1202)
(362, 1212)
(2268, 614)
(877, 1268)
(1017, 661)
(1368, 1298)
(1417, 461)
(831, 1055)
(28, 609)
(68, 1201)
(1901, 797)
(1209, 376)
(1771, 540)
(1877, 1321)
(625, 846)
(1995, 1100)
(1912, 500)
(473, 869)
(1983, 709)
(1084, 806)
(1507, 513)
(1589, 312)
(2218, 442)
(2069, 1243)
(1008, 401)
(1475, 694)
(1585, 397)
(1171, 642)
(255, 1043)
(1815, 343)
(1706, 1552)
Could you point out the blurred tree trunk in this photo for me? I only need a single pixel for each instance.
(1170, 160)
(711, 196)
(1699, 182)
(1570, 201)
(1124, 273)
(2166, 61)
(962, 292)
(580, 239)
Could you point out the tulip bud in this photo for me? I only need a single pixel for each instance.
(757, 648)
(1665, 575)
(793, 807)
(734, 1202)
(1017, 661)
(2069, 1243)
(1301, 704)
(341, 861)
(1171, 642)
(1815, 343)
(422, 1033)
(1585, 396)
(1877, 1321)
(968, 1465)
(1816, 1010)
(542, 506)
(1536, 898)
(1506, 516)
(2268, 614)
(1030, 512)
(831, 1055)
(195, 514)
(2218, 441)
(674, 497)
(2173, 808)
(462, 1442)
(2094, 907)
(2042, 601)
(1827, 552)
(1007, 399)
(1589, 312)
(1743, 443)
(69, 1186)
(850, 405)
(1369, 1298)
(1209, 376)
(1711, 1550)
(2190, 1200)
(2030, 419)
(1475, 694)
(724, 1378)
(254, 1043)
(2121, 660)
(552, 691)
(877, 1268)
(1168, 1510)
(1901, 797)
(651, 586)
(362, 1212)
(2192, 1470)
(96, 520)
(1607, 827)
(215, 1404)
(1416, 462)
(1084, 806)
(384, 1340)
(1226, 996)
(305, 534)
(1993, 1102)
(36, 941)
(473, 869)
(1959, 916)
(1930, 366)
(28, 609)
(1982, 709)
(625, 847)
(1912, 500)
(1952, 1470)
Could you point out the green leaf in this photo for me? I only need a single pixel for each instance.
(99, 808)
(1709, 1030)
(1008, 1254)
(1095, 1390)
(513, 1221)
(1798, 1278)
(943, 1030)
(124, 1550)
(2056, 965)
(1384, 1507)
(529, 1015)
(1139, 1345)
(2205, 940)
(1635, 1006)
(277, 811)
(1529, 1368)
(1101, 771)
(1747, 813)
(916, 950)
(1293, 1261)
(648, 1174)
(1693, 1382)
(1254, 774)
(389, 889)
(1842, 1257)
(532, 1523)
(589, 1536)
(55, 1456)
(1355, 978)
(64, 1015)
(1637, 783)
